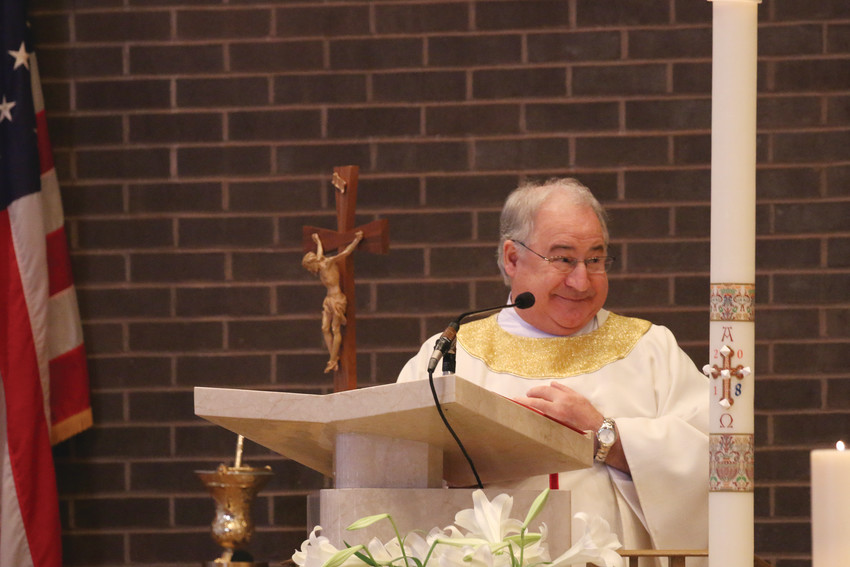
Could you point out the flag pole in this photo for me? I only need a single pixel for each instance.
(732, 288)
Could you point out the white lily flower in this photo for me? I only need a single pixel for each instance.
(597, 545)
(317, 550)
(384, 553)
(488, 520)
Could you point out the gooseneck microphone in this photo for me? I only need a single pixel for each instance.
(444, 344)
(447, 339)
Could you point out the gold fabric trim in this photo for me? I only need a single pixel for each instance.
(558, 357)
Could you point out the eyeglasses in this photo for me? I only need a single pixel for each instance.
(565, 264)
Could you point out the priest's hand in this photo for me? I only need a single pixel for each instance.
(568, 406)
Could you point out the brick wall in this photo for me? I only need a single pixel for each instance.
(195, 138)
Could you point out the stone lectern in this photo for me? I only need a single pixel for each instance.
(388, 451)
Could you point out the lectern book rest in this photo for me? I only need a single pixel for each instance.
(391, 437)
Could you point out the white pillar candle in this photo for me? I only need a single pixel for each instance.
(830, 507)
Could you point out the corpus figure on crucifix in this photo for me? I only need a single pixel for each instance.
(333, 307)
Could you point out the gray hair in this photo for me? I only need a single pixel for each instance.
(521, 206)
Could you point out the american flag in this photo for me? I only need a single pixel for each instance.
(45, 394)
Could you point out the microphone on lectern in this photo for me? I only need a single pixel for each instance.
(447, 339)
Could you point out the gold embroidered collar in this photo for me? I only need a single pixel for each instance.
(557, 357)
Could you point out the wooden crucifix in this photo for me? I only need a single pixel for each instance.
(337, 273)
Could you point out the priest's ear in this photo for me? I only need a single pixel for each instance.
(510, 254)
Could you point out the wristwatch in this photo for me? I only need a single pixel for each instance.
(607, 436)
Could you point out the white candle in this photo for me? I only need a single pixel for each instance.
(830, 506)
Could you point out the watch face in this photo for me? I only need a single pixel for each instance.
(606, 436)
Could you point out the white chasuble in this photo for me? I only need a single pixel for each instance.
(635, 373)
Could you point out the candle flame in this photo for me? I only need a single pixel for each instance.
(840, 445)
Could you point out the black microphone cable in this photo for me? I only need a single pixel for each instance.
(447, 341)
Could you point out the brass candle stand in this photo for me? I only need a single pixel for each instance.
(233, 489)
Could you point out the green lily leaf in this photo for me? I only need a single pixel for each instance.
(367, 521)
(461, 541)
(536, 506)
(524, 539)
(342, 555)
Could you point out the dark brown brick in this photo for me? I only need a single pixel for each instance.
(123, 95)
(692, 78)
(640, 222)
(825, 9)
(127, 233)
(174, 197)
(686, 43)
(573, 46)
(323, 21)
(680, 185)
(373, 122)
(377, 194)
(811, 75)
(419, 86)
(678, 114)
(678, 256)
(265, 266)
(466, 262)
(812, 217)
(515, 14)
(211, 301)
(184, 127)
(85, 130)
(590, 13)
(125, 442)
(124, 303)
(613, 151)
(176, 59)
(319, 88)
(224, 160)
(786, 253)
(99, 268)
(434, 227)
(519, 83)
(92, 199)
(692, 149)
(378, 53)
(274, 195)
(813, 358)
(429, 296)
(223, 371)
(636, 292)
(278, 56)
(572, 117)
(129, 372)
(527, 153)
(87, 61)
(174, 267)
(274, 125)
(216, 92)
(422, 156)
(463, 50)
(470, 191)
(124, 164)
(92, 549)
(226, 232)
(812, 147)
(793, 40)
(787, 394)
(420, 18)
(121, 512)
(785, 182)
(122, 26)
(89, 478)
(320, 158)
(223, 24)
(161, 406)
(176, 336)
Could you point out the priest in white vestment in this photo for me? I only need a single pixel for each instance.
(623, 378)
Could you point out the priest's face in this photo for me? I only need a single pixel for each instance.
(564, 303)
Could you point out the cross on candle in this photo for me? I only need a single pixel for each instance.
(726, 372)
